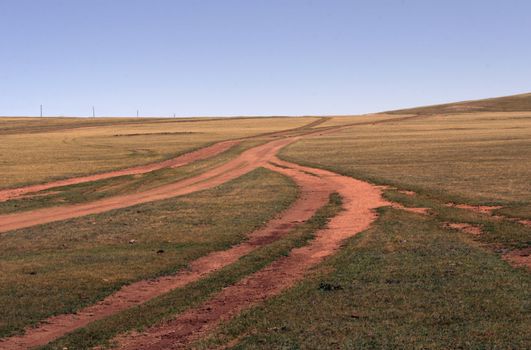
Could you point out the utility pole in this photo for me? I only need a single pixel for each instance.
(174, 115)
(93, 112)
(41, 111)
(137, 113)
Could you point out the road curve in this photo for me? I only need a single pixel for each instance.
(360, 198)
(314, 193)
(359, 201)
(244, 163)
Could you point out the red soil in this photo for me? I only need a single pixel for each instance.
(360, 200)
(467, 228)
(314, 193)
(407, 193)
(244, 163)
(423, 211)
(519, 258)
(482, 209)
(184, 159)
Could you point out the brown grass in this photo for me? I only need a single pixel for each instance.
(27, 156)
(483, 157)
(515, 103)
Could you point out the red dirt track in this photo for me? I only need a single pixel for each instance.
(181, 160)
(359, 201)
(314, 194)
(244, 163)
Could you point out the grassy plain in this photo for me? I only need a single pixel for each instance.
(406, 283)
(356, 119)
(38, 151)
(100, 189)
(166, 306)
(60, 267)
(514, 103)
(476, 158)
(410, 281)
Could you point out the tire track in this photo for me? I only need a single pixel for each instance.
(187, 158)
(359, 201)
(314, 194)
(360, 198)
(244, 163)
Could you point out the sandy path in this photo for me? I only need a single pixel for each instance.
(244, 163)
(359, 201)
(314, 194)
(181, 160)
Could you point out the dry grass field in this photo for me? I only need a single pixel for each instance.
(34, 150)
(47, 269)
(480, 157)
(422, 274)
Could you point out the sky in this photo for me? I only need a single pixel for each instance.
(257, 57)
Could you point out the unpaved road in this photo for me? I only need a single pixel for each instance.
(244, 163)
(187, 158)
(360, 199)
(181, 160)
(314, 193)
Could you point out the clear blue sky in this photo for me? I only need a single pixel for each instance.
(257, 57)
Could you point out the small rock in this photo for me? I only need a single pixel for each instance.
(160, 251)
(327, 287)
(132, 241)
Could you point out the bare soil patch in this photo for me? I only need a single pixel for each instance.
(519, 258)
(481, 209)
(407, 193)
(467, 228)
(422, 211)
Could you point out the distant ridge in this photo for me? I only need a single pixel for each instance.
(514, 103)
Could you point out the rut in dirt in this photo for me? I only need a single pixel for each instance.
(360, 199)
(313, 194)
(187, 158)
(184, 159)
(242, 164)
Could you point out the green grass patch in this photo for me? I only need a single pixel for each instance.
(498, 234)
(405, 283)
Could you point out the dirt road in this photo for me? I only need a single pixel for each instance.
(360, 199)
(314, 193)
(244, 163)
(181, 160)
